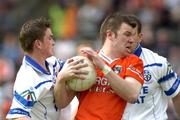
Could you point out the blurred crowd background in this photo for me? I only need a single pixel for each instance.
(75, 23)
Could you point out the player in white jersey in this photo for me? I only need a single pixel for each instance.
(35, 82)
(161, 84)
(33, 93)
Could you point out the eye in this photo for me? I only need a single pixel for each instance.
(127, 34)
(51, 37)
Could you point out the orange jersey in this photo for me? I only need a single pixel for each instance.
(100, 102)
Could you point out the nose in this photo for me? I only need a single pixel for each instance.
(131, 39)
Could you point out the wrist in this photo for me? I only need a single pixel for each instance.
(60, 79)
(106, 69)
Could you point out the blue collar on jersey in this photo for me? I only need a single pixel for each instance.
(35, 65)
(138, 51)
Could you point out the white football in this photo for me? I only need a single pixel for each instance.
(82, 85)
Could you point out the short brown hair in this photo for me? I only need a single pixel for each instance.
(114, 21)
(32, 30)
(135, 20)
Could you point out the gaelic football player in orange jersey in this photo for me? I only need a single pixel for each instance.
(119, 73)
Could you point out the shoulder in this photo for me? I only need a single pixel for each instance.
(25, 70)
(133, 58)
(51, 59)
(152, 57)
(26, 76)
(55, 61)
(155, 62)
(135, 61)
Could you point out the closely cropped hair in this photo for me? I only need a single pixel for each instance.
(114, 21)
(31, 31)
(135, 20)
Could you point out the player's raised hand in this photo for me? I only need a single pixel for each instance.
(93, 56)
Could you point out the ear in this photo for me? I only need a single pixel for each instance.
(38, 44)
(110, 35)
(140, 35)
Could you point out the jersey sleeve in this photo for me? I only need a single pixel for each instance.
(24, 99)
(169, 80)
(27, 92)
(135, 69)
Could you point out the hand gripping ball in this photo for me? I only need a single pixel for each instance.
(82, 85)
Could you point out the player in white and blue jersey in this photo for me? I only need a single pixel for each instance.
(37, 77)
(33, 90)
(161, 84)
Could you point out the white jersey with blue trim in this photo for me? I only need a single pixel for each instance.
(160, 84)
(33, 90)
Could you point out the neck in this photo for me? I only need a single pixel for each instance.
(39, 59)
(111, 52)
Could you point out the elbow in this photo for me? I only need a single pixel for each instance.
(64, 105)
(132, 98)
(134, 94)
(60, 106)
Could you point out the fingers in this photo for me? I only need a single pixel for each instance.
(93, 56)
(81, 71)
(73, 69)
(70, 74)
(78, 72)
(81, 77)
(70, 60)
(79, 66)
(87, 51)
(75, 64)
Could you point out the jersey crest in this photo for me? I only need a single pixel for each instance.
(147, 76)
(117, 69)
(29, 95)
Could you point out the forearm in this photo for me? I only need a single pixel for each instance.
(176, 102)
(128, 88)
(71, 69)
(63, 95)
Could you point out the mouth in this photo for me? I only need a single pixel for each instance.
(129, 49)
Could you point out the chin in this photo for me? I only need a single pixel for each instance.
(52, 54)
(127, 54)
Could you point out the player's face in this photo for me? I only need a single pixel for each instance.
(48, 43)
(124, 39)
